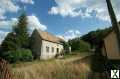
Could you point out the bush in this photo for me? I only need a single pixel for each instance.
(26, 55)
(79, 45)
(11, 56)
(84, 47)
(18, 55)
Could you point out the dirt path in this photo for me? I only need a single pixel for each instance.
(78, 57)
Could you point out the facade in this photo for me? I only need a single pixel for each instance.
(45, 45)
(110, 48)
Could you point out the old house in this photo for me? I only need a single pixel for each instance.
(45, 45)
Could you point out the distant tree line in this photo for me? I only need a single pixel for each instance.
(78, 45)
(94, 38)
(89, 41)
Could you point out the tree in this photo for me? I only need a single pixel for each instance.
(15, 46)
(94, 38)
(79, 45)
(66, 46)
(8, 43)
(21, 31)
(18, 38)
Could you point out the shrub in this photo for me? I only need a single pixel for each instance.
(79, 45)
(84, 47)
(11, 56)
(26, 55)
(18, 55)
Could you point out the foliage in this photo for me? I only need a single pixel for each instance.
(9, 43)
(66, 46)
(21, 31)
(18, 38)
(18, 55)
(26, 55)
(98, 62)
(15, 46)
(94, 38)
(79, 45)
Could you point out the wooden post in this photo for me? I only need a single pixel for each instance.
(4, 70)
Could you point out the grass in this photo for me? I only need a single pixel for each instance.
(76, 54)
(51, 69)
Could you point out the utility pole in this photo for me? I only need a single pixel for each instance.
(113, 21)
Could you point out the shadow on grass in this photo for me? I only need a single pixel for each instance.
(97, 66)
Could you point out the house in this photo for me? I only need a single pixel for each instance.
(45, 45)
(110, 46)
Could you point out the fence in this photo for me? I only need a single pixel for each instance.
(4, 70)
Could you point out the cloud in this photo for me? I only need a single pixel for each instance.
(7, 24)
(11, 6)
(33, 22)
(84, 8)
(70, 34)
(7, 6)
(6, 27)
(27, 1)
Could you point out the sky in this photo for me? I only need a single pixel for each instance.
(64, 18)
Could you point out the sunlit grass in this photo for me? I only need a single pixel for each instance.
(51, 69)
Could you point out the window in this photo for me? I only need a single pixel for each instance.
(53, 49)
(47, 49)
(57, 50)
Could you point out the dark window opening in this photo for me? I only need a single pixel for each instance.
(47, 49)
(52, 49)
(57, 50)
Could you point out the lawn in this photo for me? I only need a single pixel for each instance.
(52, 69)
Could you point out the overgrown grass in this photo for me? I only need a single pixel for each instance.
(51, 69)
(76, 54)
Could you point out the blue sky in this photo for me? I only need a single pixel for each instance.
(63, 18)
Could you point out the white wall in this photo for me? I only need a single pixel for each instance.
(50, 54)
